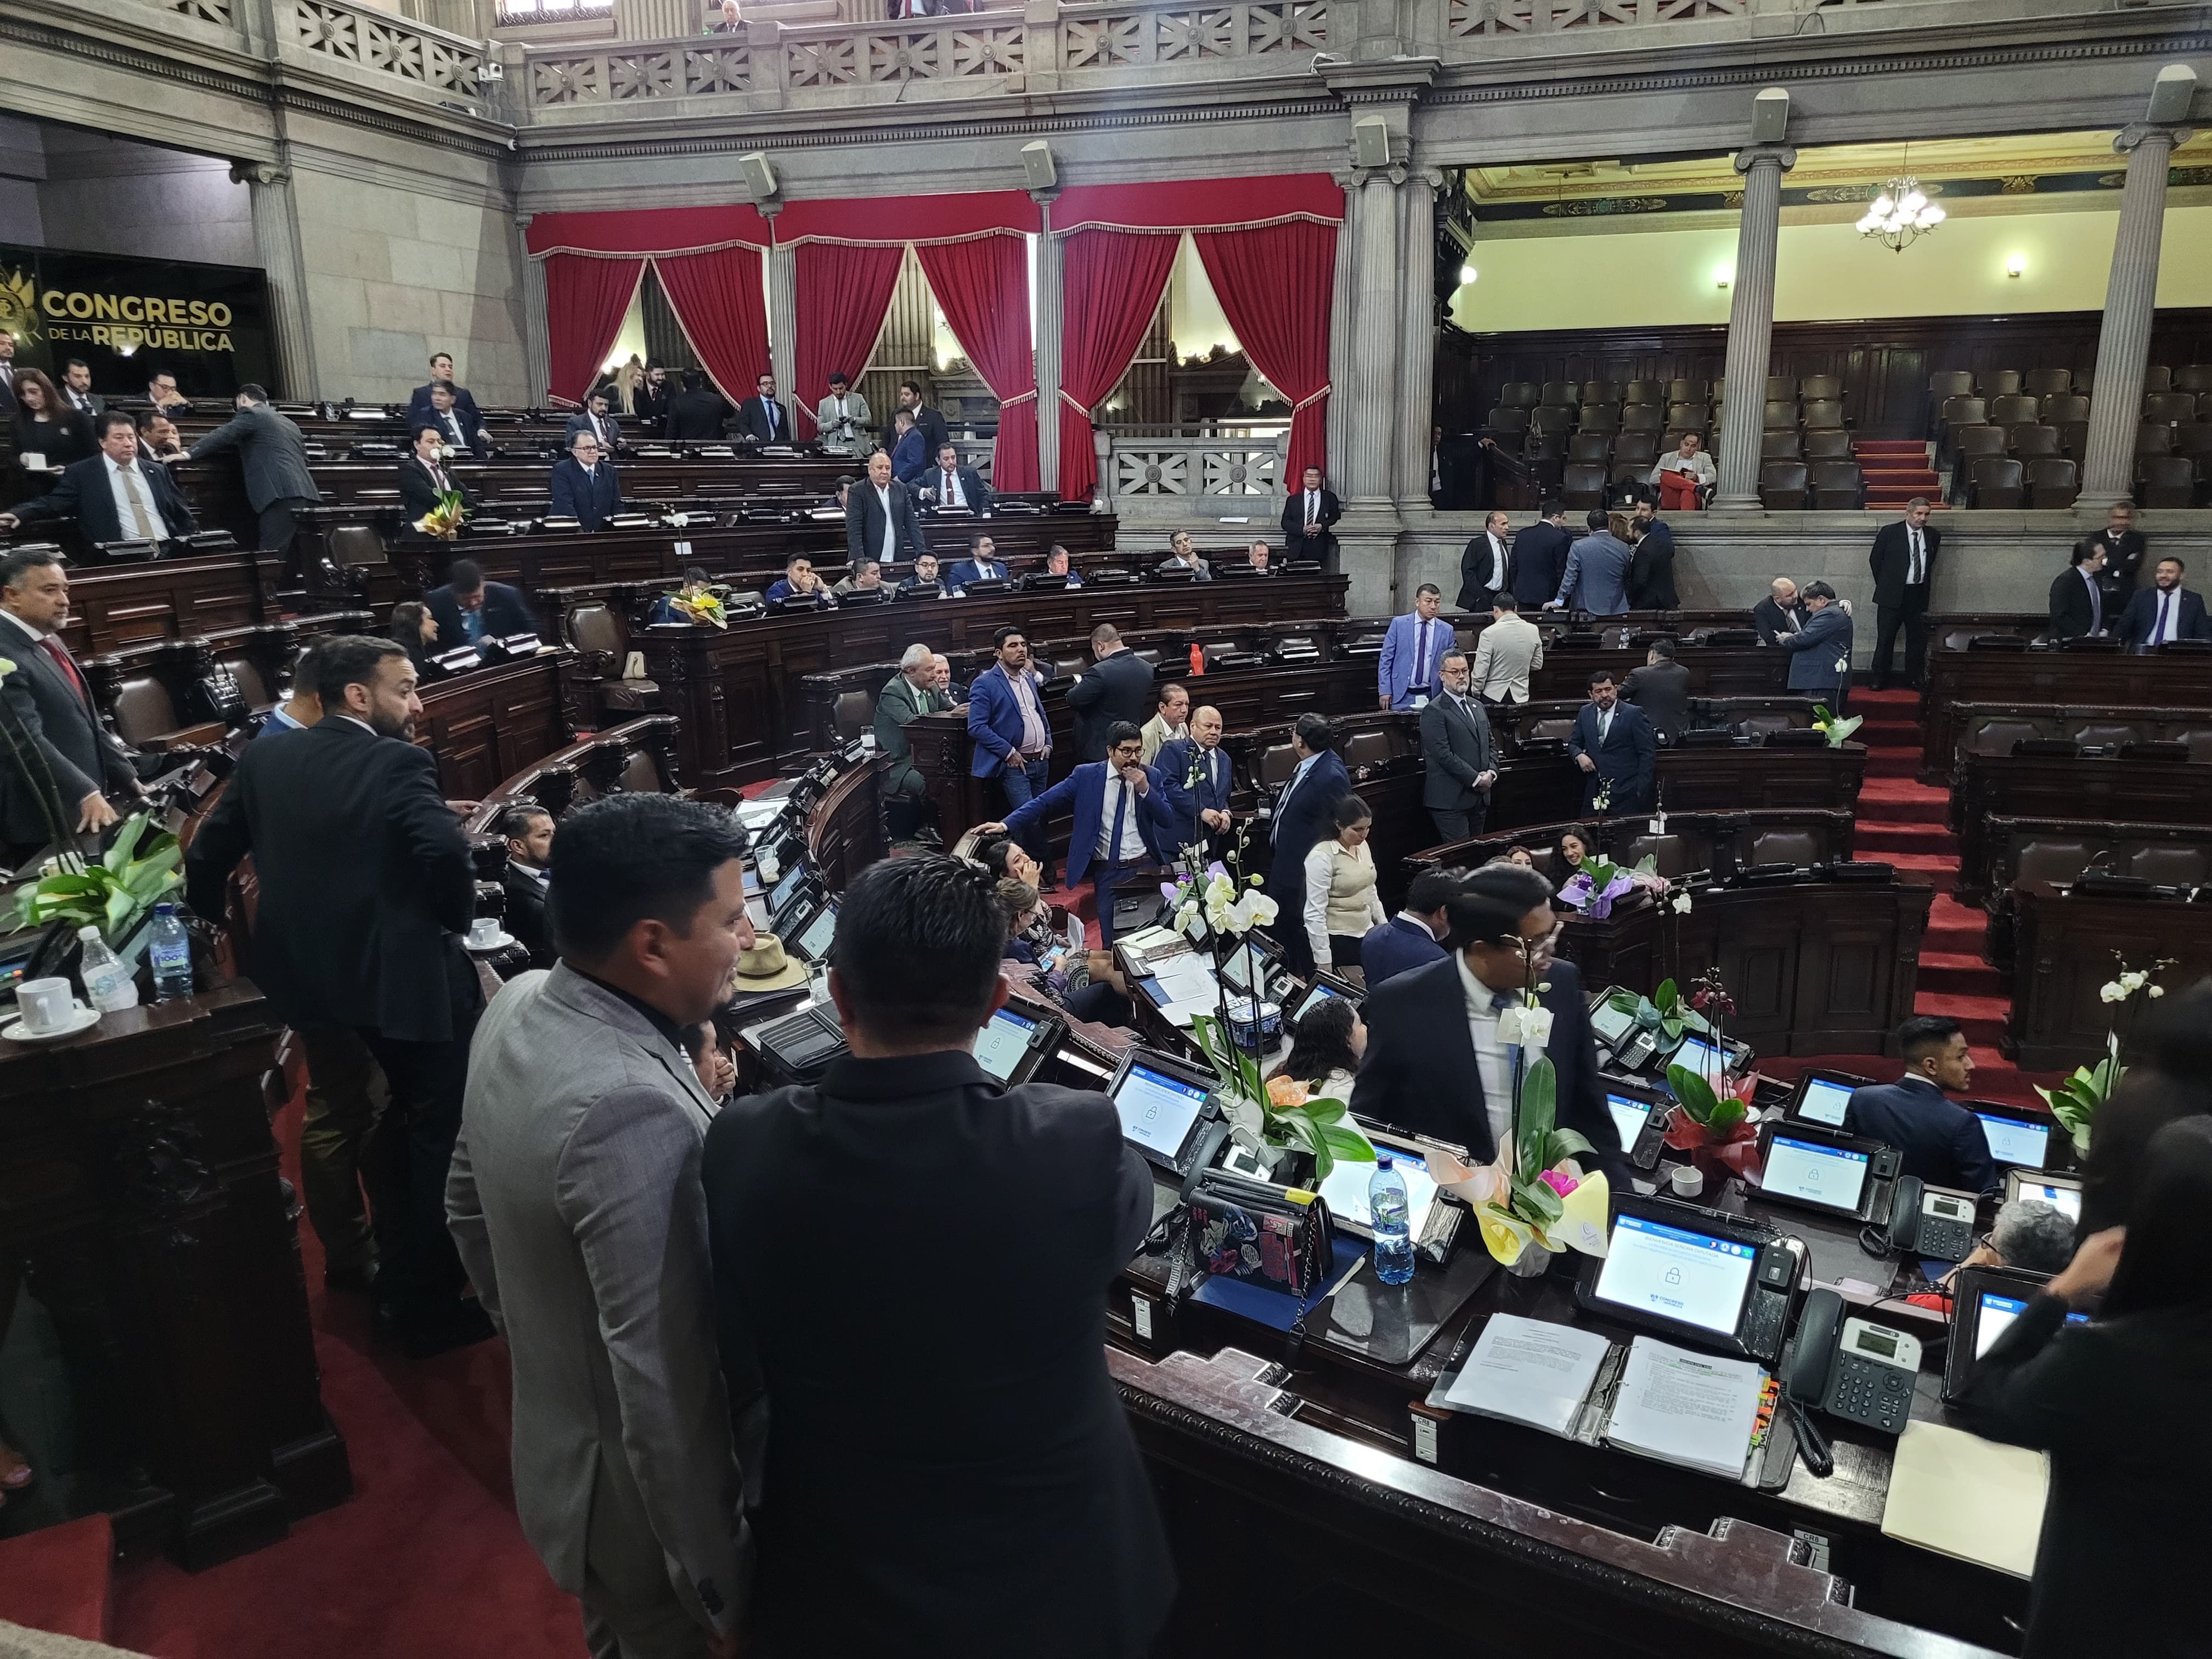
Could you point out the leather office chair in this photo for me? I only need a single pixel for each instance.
(1998, 481)
(2032, 441)
(1274, 765)
(1670, 854)
(1365, 749)
(1784, 847)
(2052, 482)
(2050, 858)
(854, 713)
(596, 632)
(1558, 730)
(1997, 734)
(2169, 481)
(2014, 410)
(2168, 866)
(2110, 734)
(2047, 382)
(1837, 487)
(1828, 446)
(1782, 485)
(355, 545)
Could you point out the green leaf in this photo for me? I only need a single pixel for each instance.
(120, 906)
(1648, 865)
(1323, 1111)
(125, 839)
(1324, 1161)
(1696, 1094)
(1624, 999)
(1665, 997)
(1348, 1144)
(1564, 1145)
(1295, 1130)
(1534, 1201)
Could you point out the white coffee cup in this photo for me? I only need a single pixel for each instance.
(483, 932)
(1688, 1180)
(47, 1004)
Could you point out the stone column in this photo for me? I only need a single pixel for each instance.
(1417, 346)
(1370, 399)
(1340, 334)
(276, 245)
(537, 341)
(783, 326)
(1751, 321)
(1048, 326)
(2124, 343)
(656, 19)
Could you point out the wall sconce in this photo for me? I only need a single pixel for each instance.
(1467, 274)
(1723, 275)
(2015, 265)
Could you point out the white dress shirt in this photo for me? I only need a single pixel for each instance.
(1494, 1060)
(1298, 777)
(1497, 562)
(134, 511)
(1132, 849)
(890, 554)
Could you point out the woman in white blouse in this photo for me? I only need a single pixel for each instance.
(1342, 901)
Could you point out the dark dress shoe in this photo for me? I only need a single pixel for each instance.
(354, 1281)
(454, 1326)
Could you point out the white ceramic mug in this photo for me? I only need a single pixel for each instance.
(1688, 1180)
(47, 1004)
(483, 932)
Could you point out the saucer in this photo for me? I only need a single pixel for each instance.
(82, 1020)
(498, 943)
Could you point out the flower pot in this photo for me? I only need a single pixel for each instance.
(1533, 1261)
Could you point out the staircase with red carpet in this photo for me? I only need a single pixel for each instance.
(1895, 471)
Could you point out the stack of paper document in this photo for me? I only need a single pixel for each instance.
(1528, 1371)
(1187, 986)
(1687, 1408)
(1960, 1495)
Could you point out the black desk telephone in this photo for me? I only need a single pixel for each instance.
(1939, 1225)
(1849, 1368)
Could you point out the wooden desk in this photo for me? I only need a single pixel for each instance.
(2166, 679)
(2059, 849)
(1716, 670)
(2067, 945)
(636, 756)
(114, 605)
(845, 828)
(142, 1186)
(489, 723)
(2068, 786)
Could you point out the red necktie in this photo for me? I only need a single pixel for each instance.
(54, 649)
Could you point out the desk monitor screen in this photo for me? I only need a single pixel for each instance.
(2013, 1141)
(1237, 969)
(813, 942)
(1315, 994)
(1814, 1172)
(1628, 1117)
(1994, 1311)
(1611, 1024)
(786, 885)
(1675, 1273)
(1346, 1189)
(1824, 1101)
(1700, 1056)
(2066, 1195)
(1003, 1041)
(1157, 1109)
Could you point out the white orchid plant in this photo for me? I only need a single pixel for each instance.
(2075, 1101)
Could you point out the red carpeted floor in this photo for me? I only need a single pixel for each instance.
(1894, 470)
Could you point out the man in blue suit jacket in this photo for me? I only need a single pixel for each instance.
(469, 609)
(1123, 822)
(1422, 1072)
(1822, 664)
(1301, 816)
(2165, 611)
(1597, 571)
(1943, 1144)
(1612, 743)
(1406, 673)
(1012, 738)
(1408, 940)
(584, 487)
(418, 401)
(1195, 773)
(982, 564)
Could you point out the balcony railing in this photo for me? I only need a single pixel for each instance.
(381, 44)
(1164, 468)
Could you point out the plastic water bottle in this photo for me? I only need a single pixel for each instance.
(169, 948)
(111, 986)
(1386, 1203)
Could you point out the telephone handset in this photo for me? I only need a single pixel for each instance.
(1850, 1368)
(1939, 1225)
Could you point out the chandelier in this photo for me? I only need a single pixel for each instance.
(1899, 212)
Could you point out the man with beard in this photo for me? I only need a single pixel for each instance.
(366, 890)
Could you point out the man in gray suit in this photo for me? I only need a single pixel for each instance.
(274, 458)
(61, 763)
(1459, 761)
(1597, 571)
(906, 696)
(575, 1202)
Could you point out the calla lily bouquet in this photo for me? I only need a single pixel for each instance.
(443, 522)
(1839, 730)
(702, 607)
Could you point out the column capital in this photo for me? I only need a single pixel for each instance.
(2127, 138)
(259, 172)
(1782, 155)
(523, 221)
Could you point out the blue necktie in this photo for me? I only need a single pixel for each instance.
(1120, 817)
(2096, 606)
(2158, 632)
(472, 625)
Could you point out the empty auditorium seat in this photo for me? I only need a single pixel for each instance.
(1365, 749)
(1780, 388)
(1951, 383)
(1583, 486)
(1558, 393)
(1636, 448)
(2047, 382)
(1586, 448)
(2168, 481)
(1821, 388)
(2193, 377)
(2154, 438)
(1688, 417)
(2169, 406)
(2109, 734)
(1685, 392)
(1507, 418)
(596, 631)
(2064, 408)
(1997, 482)
(2195, 439)
(1600, 417)
(2168, 866)
(1965, 411)
(2053, 482)
(2032, 440)
(1550, 731)
(1642, 391)
(1825, 413)
(1780, 415)
(1521, 394)
(1784, 847)
(852, 712)
(1552, 417)
(2046, 857)
(2073, 440)
(1642, 418)
(1780, 446)
(1275, 764)
(1782, 485)
(1601, 391)
(2158, 378)
(1670, 854)
(2014, 410)
(1837, 487)
(2004, 383)
(1828, 446)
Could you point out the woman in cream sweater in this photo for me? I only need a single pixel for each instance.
(1342, 901)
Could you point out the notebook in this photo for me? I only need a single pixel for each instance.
(1526, 1370)
(1694, 1409)
(1964, 1497)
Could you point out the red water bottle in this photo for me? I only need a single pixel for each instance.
(1197, 660)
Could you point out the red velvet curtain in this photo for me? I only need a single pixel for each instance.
(1275, 285)
(982, 285)
(721, 306)
(842, 292)
(1111, 281)
(584, 299)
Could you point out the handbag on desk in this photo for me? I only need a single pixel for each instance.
(1276, 1238)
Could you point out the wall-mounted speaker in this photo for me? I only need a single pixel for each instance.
(2171, 95)
(1037, 167)
(1770, 116)
(760, 176)
(1370, 142)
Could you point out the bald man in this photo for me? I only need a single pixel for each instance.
(1195, 773)
(1778, 613)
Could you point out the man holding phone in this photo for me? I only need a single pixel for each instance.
(1123, 820)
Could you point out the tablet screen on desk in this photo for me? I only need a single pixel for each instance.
(1825, 1102)
(2012, 1141)
(1628, 1117)
(1346, 1189)
(1700, 1056)
(814, 943)
(1315, 996)
(1157, 1109)
(1814, 1172)
(2066, 1198)
(1671, 1272)
(779, 895)
(1003, 1041)
(1993, 1312)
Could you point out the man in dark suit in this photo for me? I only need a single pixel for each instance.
(2077, 598)
(529, 832)
(1943, 1144)
(651, 400)
(695, 414)
(948, 483)
(273, 457)
(77, 391)
(1434, 1064)
(1903, 564)
(1197, 776)
(1651, 571)
(1820, 666)
(1308, 518)
(1118, 687)
(584, 487)
(596, 417)
(905, 698)
(442, 370)
(2164, 610)
(63, 764)
(366, 888)
(423, 477)
(982, 564)
(995, 1501)
(1778, 613)
(761, 418)
(1613, 746)
(1596, 579)
(2124, 552)
(1409, 939)
(1122, 820)
(457, 428)
(881, 520)
(114, 496)
(927, 420)
(468, 610)
(1300, 817)
(1011, 734)
(1661, 690)
(1485, 568)
(1459, 759)
(1540, 558)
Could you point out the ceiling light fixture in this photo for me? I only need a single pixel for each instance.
(1899, 213)
(2017, 265)
(1466, 275)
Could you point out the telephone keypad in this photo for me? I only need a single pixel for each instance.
(1877, 1395)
